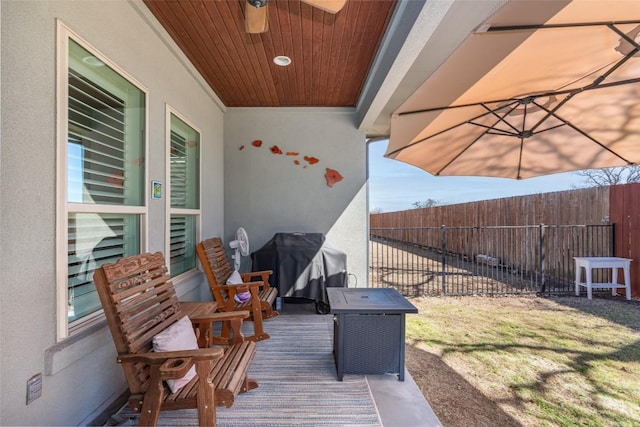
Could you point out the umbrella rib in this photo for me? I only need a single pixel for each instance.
(520, 158)
(621, 61)
(552, 112)
(457, 156)
(610, 84)
(618, 31)
(502, 119)
(568, 25)
(586, 135)
(499, 132)
(551, 128)
(492, 130)
(524, 118)
(580, 131)
(470, 121)
(450, 107)
(574, 92)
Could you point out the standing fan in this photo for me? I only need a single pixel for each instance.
(241, 247)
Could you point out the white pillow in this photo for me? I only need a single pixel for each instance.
(235, 278)
(179, 336)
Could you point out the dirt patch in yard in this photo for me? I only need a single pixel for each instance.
(527, 361)
(453, 398)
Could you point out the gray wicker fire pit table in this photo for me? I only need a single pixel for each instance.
(369, 330)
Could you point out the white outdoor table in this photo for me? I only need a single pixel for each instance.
(613, 263)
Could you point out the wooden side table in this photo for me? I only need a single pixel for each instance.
(613, 263)
(195, 309)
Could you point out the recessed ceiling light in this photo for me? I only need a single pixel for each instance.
(282, 61)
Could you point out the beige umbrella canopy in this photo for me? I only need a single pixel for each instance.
(541, 87)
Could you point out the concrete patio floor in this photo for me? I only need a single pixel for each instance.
(399, 403)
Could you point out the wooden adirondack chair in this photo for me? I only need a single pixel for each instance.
(218, 269)
(139, 302)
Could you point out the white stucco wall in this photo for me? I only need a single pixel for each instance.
(267, 193)
(81, 375)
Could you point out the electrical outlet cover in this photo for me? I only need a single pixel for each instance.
(34, 388)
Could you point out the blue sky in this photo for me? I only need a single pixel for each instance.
(395, 186)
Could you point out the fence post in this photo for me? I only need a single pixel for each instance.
(444, 259)
(542, 259)
(612, 239)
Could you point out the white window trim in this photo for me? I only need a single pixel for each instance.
(179, 211)
(63, 34)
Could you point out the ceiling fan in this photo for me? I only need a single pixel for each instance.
(257, 16)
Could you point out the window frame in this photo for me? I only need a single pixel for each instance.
(64, 328)
(169, 111)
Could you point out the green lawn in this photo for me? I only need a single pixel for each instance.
(527, 361)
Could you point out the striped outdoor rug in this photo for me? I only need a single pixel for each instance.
(298, 385)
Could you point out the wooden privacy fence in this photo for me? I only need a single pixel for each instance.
(484, 260)
(583, 206)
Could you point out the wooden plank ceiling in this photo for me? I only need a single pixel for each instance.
(331, 54)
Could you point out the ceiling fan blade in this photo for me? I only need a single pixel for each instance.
(331, 6)
(256, 19)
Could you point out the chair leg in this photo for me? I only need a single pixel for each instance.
(152, 400)
(206, 395)
(256, 314)
(269, 312)
(249, 384)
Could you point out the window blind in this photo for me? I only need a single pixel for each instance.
(96, 162)
(93, 240)
(178, 231)
(178, 244)
(97, 124)
(178, 170)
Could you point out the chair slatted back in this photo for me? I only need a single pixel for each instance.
(218, 270)
(139, 302)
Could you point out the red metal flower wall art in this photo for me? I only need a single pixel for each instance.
(332, 176)
(311, 160)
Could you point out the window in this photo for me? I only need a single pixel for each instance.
(183, 142)
(101, 182)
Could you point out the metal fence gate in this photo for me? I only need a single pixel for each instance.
(484, 260)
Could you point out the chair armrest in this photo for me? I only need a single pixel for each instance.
(160, 357)
(174, 369)
(220, 317)
(232, 290)
(203, 323)
(240, 287)
(264, 276)
(172, 365)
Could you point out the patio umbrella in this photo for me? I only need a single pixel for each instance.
(539, 88)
